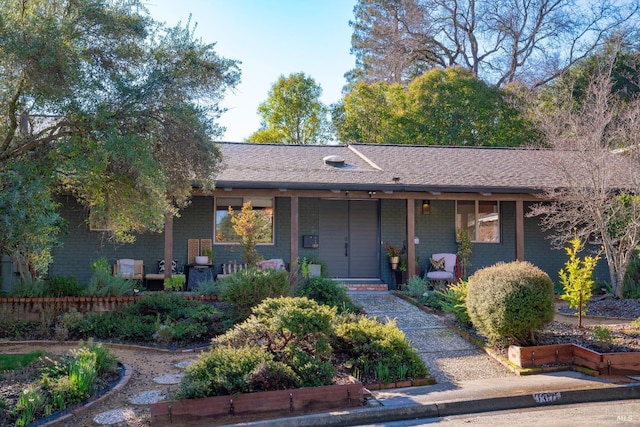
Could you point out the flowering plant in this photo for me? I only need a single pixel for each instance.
(392, 251)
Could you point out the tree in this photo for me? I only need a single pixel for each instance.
(501, 41)
(453, 107)
(577, 277)
(618, 58)
(293, 113)
(441, 107)
(599, 198)
(371, 113)
(252, 227)
(113, 100)
(29, 221)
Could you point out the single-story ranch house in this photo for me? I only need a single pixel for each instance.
(342, 204)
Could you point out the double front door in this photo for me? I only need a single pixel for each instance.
(349, 238)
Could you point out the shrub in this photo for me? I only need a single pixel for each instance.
(454, 301)
(297, 331)
(432, 300)
(372, 343)
(185, 321)
(209, 287)
(65, 381)
(63, 286)
(602, 335)
(222, 370)
(510, 301)
(272, 375)
(103, 283)
(327, 291)
(416, 286)
(247, 288)
(631, 283)
(31, 288)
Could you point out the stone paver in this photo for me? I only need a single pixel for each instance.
(184, 363)
(148, 397)
(115, 416)
(168, 379)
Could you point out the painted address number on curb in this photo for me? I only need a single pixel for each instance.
(546, 397)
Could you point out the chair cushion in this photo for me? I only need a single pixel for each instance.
(440, 275)
(437, 265)
(126, 267)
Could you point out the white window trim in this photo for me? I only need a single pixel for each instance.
(474, 238)
(97, 227)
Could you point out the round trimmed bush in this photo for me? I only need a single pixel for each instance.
(510, 301)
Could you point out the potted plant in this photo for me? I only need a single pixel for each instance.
(209, 254)
(393, 253)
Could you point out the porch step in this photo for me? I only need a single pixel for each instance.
(367, 286)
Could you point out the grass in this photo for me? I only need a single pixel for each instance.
(12, 362)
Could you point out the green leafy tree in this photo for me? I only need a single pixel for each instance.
(293, 113)
(441, 107)
(452, 107)
(371, 113)
(115, 101)
(29, 221)
(577, 277)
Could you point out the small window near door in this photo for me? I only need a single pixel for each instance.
(481, 219)
(262, 206)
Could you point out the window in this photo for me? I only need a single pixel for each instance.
(98, 220)
(263, 206)
(480, 218)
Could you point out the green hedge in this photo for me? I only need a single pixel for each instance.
(509, 302)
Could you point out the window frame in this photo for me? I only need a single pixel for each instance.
(98, 224)
(476, 233)
(238, 208)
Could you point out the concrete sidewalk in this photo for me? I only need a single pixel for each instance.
(469, 381)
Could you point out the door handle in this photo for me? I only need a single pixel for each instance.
(346, 249)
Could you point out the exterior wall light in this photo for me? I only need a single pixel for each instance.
(426, 207)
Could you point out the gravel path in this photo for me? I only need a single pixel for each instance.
(449, 357)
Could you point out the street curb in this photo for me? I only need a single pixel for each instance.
(443, 409)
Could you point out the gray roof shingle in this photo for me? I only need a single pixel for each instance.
(398, 167)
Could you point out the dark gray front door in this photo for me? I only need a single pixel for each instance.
(349, 238)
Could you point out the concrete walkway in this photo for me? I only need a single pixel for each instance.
(469, 380)
(449, 357)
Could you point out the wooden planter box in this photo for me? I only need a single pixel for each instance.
(575, 355)
(232, 409)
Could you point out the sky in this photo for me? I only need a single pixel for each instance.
(271, 38)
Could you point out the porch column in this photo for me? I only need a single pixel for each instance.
(168, 243)
(411, 232)
(519, 230)
(294, 230)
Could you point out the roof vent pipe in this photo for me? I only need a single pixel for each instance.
(333, 160)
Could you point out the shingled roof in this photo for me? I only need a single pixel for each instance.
(391, 167)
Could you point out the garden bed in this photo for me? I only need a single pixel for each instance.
(235, 408)
(572, 355)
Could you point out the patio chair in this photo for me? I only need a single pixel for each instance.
(442, 268)
(129, 268)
